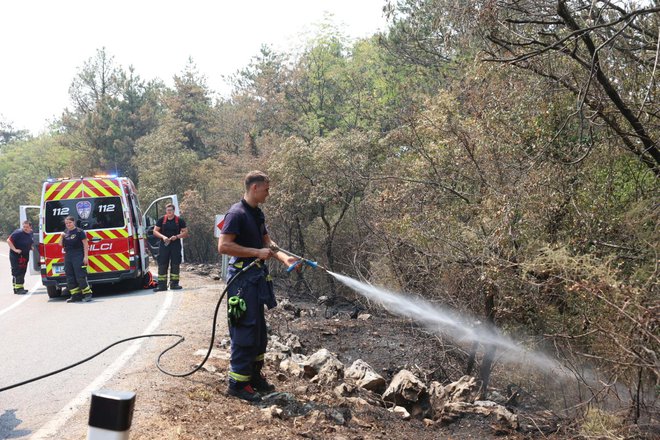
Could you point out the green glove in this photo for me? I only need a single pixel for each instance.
(236, 309)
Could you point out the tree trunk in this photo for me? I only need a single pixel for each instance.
(489, 355)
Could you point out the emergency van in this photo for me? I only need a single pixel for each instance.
(120, 236)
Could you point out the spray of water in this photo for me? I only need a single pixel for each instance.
(449, 324)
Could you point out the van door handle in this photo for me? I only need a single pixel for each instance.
(96, 240)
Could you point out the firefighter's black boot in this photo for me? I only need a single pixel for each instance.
(162, 283)
(258, 380)
(18, 289)
(244, 391)
(76, 297)
(174, 282)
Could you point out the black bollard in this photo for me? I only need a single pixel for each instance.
(110, 415)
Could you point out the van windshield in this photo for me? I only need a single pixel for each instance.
(90, 213)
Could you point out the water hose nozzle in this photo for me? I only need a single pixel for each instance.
(306, 261)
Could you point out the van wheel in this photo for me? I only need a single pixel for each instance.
(53, 292)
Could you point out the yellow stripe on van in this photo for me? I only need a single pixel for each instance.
(94, 234)
(98, 186)
(99, 263)
(124, 258)
(49, 266)
(76, 193)
(112, 185)
(51, 238)
(51, 190)
(108, 259)
(64, 190)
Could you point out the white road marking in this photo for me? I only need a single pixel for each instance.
(20, 301)
(50, 429)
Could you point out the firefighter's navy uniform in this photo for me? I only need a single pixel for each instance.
(74, 265)
(255, 287)
(169, 255)
(19, 261)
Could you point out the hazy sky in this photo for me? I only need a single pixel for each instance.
(43, 43)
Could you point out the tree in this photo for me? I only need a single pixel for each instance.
(112, 108)
(189, 105)
(603, 53)
(9, 134)
(165, 165)
(22, 172)
(318, 184)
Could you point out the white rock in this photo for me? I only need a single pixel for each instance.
(405, 415)
(291, 368)
(330, 372)
(320, 360)
(405, 389)
(365, 376)
(465, 389)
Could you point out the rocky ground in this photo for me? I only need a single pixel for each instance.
(341, 372)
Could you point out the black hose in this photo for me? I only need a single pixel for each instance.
(154, 335)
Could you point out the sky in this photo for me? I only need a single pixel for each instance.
(44, 43)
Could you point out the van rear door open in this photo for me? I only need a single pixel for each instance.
(155, 211)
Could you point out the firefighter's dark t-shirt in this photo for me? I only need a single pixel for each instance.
(247, 223)
(22, 240)
(73, 239)
(169, 228)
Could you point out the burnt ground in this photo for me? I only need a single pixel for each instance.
(197, 407)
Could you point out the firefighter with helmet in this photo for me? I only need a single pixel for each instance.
(170, 229)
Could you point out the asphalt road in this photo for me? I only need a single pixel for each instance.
(39, 335)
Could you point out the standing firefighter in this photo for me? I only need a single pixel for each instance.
(170, 229)
(76, 253)
(20, 243)
(245, 238)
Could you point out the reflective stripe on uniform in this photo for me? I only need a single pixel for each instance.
(260, 357)
(87, 290)
(74, 291)
(239, 377)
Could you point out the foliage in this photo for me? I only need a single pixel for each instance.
(9, 134)
(22, 172)
(112, 109)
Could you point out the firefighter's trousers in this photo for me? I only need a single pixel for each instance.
(76, 274)
(169, 257)
(19, 264)
(248, 336)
